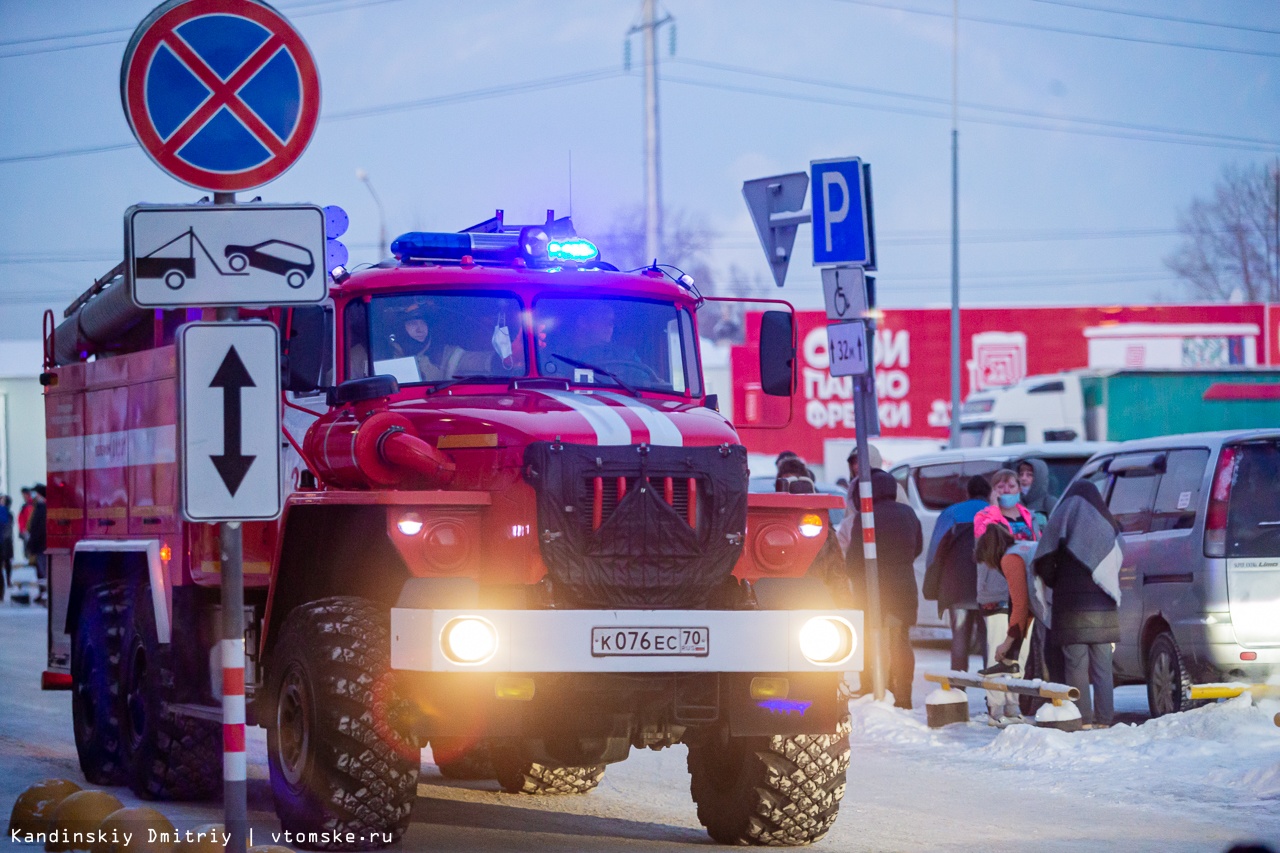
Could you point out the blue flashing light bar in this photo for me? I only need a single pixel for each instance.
(574, 249)
(450, 246)
(532, 244)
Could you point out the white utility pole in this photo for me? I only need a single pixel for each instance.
(955, 227)
(652, 162)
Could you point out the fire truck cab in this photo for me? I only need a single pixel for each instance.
(516, 528)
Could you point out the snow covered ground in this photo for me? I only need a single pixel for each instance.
(1198, 781)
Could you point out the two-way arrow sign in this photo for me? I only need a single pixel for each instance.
(231, 377)
(230, 423)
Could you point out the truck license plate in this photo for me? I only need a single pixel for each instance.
(650, 642)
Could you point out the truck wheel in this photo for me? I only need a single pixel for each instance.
(518, 775)
(95, 684)
(780, 791)
(338, 747)
(168, 757)
(462, 759)
(1168, 685)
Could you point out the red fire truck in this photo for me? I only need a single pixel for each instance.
(516, 527)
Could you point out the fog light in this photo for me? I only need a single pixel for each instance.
(410, 524)
(810, 526)
(770, 688)
(1248, 656)
(514, 689)
(469, 640)
(827, 640)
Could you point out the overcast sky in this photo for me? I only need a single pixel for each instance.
(1085, 127)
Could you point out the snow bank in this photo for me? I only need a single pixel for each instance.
(1228, 752)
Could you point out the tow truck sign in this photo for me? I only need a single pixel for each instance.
(251, 254)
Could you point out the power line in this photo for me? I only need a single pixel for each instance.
(1137, 134)
(1155, 17)
(400, 106)
(977, 19)
(477, 94)
(738, 69)
(120, 35)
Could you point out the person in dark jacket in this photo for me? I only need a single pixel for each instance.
(899, 540)
(1033, 482)
(1079, 559)
(6, 540)
(950, 565)
(36, 539)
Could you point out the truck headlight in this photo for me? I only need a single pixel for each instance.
(810, 525)
(827, 640)
(469, 640)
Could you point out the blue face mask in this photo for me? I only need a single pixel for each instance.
(1008, 501)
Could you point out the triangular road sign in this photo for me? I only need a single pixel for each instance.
(781, 194)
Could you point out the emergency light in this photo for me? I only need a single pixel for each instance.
(575, 249)
(531, 244)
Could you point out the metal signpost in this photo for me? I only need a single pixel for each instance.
(224, 96)
(844, 246)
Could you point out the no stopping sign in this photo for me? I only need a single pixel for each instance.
(221, 94)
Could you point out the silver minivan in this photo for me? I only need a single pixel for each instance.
(935, 481)
(1200, 582)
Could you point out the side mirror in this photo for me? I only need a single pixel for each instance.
(777, 353)
(308, 348)
(359, 390)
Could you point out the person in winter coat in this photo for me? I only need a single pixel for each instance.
(952, 573)
(1079, 559)
(24, 518)
(852, 514)
(1006, 508)
(1033, 480)
(6, 540)
(899, 540)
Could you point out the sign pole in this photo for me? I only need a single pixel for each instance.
(866, 508)
(234, 776)
(235, 791)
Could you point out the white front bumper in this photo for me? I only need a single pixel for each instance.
(560, 640)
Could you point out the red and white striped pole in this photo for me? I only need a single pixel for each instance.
(235, 794)
(864, 398)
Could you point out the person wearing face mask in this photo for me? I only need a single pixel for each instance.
(994, 600)
(1006, 508)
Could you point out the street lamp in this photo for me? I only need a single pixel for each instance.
(363, 176)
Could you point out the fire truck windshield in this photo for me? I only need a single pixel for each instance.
(632, 343)
(425, 338)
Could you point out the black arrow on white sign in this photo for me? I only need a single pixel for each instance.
(231, 377)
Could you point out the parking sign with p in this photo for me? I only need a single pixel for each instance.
(841, 215)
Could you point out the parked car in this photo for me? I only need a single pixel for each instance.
(1200, 582)
(935, 481)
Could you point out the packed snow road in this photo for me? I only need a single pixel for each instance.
(1192, 782)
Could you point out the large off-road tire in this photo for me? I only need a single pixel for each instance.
(779, 791)
(517, 774)
(462, 758)
(95, 683)
(341, 758)
(1168, 684)
(167, 757)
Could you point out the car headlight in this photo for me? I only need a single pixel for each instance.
(469, 640)
(827, 640)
